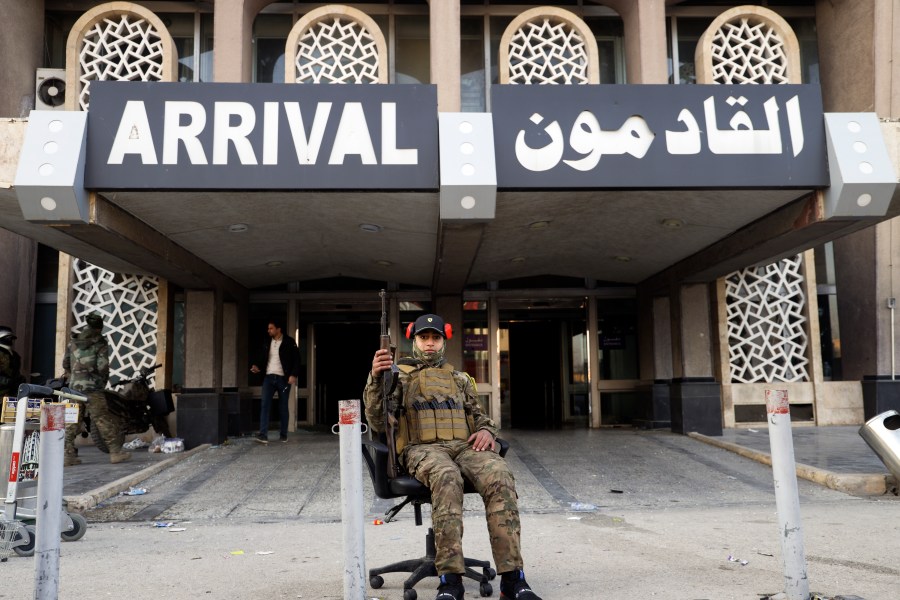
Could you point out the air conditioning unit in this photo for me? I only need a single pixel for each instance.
(50, 89)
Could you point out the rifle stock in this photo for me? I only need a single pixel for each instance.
(388, 381)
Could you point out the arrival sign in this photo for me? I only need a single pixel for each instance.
(261, 136)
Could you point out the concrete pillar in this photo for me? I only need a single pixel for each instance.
(18, 263)
(696, 397)
(645, 39)
(233, 36)
(22, 37)
(64, 323)
(230, 365)
(165, 325)
(450, 308)
(662, 339)
(202, 357)
(445, 57)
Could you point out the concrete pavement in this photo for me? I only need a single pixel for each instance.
(617, 514)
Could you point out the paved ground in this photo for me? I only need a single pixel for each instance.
(616, 514)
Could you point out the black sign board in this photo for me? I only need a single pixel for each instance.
(659, 136)
(261, 136)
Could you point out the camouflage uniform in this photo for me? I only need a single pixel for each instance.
(10, 375)
(441, 465)
(87, 361)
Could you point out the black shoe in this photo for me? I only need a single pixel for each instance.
(451, 588)
(282, 438)
(514, 587)
(262, 438)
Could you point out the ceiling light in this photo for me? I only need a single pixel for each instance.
(622, 258)
(238, 228)
(274, 263)
(370, 227)
(539, 225)
(672, 223)
(384, 263)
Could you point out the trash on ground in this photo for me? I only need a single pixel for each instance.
(237, 552)
(157, 444)
(133, 491)
(265, 552)
(135, 444)
(752, 430)
(574, 518)
(582, 506)
(172, 445)
(743, 562)
(162, 524)
(377, 522)
(617, 491)
(178, 529)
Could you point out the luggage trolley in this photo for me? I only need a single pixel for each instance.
(17, 525)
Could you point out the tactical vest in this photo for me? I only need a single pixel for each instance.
(433, 407)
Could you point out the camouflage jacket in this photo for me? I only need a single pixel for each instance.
(375, 411)
(87, 361)
(10, 375)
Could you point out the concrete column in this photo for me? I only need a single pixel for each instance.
(691, 332)
(64, 323)
(233, 36)
(445, 58)
(662, 339)
(18, 263)
(645, 39)
(230, 365)
(22, 37)
(202, 359)
(450, 308)
(165, 326)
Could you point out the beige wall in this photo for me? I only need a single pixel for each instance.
(22, 37)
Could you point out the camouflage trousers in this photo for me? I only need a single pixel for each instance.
(73, 429)
(107, 424)
(441, 466)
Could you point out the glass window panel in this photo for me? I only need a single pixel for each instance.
(498, 26)
(618, 338)
(618, 408)
(206, 47)
(412, 61)
(689, 31)
(472, 86)
(610, 35)
(270, 33)
(805, 30)
(476, 341)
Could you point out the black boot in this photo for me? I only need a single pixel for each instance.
(451, 588)
(514, 587)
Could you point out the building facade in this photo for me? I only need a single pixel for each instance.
(670, 296)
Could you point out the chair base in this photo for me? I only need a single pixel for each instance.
(424, 567)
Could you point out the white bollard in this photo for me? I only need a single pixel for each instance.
(49, 501)
(787, 495)
(352, 500)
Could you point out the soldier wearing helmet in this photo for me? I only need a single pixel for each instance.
(443, 436)
(86, 364)
(10, 363)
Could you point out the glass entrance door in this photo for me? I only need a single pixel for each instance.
(543, 364)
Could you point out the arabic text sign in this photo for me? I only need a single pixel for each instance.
(659, 136)
(261, 136)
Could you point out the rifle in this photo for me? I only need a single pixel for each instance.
(388, 383)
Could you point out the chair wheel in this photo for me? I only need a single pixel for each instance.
(410, 594)
(490, 573)
(486, 589)
(376, 581)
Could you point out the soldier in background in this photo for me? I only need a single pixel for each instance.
(86, 364)
(10, 363)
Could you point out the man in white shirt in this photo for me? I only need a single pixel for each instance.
(282, 366)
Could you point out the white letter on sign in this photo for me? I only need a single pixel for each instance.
(174, 131)
(133, 136)
(223, 132)
(390, 154)
(353, 137)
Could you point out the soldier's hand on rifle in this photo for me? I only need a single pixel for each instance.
(381, 362)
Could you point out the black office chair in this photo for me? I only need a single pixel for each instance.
(416, 493)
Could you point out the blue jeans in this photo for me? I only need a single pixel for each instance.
(271, 384)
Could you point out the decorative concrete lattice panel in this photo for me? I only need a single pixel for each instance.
(120, 48)
(548, 52)
(129, 305)
(766, 323)
(337, 50)
(746, 51)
